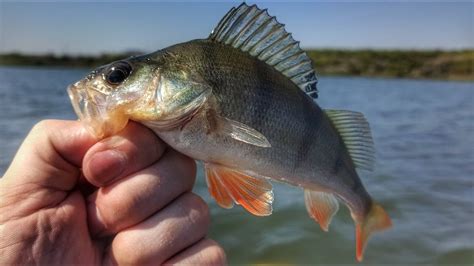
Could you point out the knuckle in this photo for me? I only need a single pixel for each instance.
(198, 203)
(107, 217)
(188, 167)
(42, 126)
(108, 226)
(122, 253)
(217, 256)
(213, 253)
(183, 168)
(190, 164)
(191, 176)
(198, 209)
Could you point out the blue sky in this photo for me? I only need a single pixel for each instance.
(96, 27)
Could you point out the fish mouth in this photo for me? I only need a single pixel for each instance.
(91, 108)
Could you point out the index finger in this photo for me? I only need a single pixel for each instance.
(51, 155)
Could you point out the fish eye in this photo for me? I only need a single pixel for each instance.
(118, 72)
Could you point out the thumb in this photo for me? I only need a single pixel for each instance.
(50, 156)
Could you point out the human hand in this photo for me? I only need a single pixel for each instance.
(139, 210)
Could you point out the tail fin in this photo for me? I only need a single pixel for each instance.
(376, 220)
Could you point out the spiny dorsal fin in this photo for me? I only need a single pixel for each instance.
(355, 132)
(254, 31)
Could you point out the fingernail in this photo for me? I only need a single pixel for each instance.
(104, 166)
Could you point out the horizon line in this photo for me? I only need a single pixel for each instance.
(139, 51)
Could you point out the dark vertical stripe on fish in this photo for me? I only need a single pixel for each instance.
(307, 140)
(262, 107)
(209, 55)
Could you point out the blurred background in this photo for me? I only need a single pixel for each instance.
(408, 66)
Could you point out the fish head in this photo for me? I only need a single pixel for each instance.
(140, 89)
(106, 99)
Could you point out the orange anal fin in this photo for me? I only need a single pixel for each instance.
(253, 193)
(321, 206)
(376, 220)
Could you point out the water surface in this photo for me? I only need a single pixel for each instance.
(423, 131)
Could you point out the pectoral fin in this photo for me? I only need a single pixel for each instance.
(243, 132)
(321, 206)
(235, 129)
(227, 186)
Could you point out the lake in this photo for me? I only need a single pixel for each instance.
(424, 136)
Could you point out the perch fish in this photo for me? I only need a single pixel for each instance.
(242, 101)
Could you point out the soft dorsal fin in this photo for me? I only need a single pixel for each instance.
(254, 31)
(355, 132)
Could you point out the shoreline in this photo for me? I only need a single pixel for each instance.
(319, 75)
(430, 65)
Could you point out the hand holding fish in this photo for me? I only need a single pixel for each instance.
(126, 207)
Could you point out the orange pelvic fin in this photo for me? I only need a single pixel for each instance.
(321, 206)
(217, 190)
(376, 220)
(227, 186)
